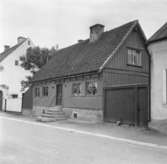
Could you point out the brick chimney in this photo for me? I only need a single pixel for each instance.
(6, 47)
(95, 32)
(20, 39)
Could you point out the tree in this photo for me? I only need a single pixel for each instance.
(34, 59)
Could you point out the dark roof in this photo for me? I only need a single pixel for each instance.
(159, 35)
(84, 57)
(4, 54)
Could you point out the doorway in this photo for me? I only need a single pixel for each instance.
(59, 89)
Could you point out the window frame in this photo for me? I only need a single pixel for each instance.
(72, 89)
(16, 62)
(134, 57)
(86, 85)
(37, 92)
(45, 91)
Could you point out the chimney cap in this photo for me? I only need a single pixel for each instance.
(96, 25)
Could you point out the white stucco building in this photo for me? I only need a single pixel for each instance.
(11, 75)
(157, 46)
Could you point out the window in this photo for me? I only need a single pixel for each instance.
(76, 89)
(91, 88)
(16, 62)
(14, 96)
(134, 57)
(45, 91)
(29, 42)
(37, 92)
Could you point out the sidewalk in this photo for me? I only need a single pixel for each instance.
(159, 125)
(110, 129)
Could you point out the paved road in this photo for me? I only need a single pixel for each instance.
(26, 143)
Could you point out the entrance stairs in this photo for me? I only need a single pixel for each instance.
(52, 115)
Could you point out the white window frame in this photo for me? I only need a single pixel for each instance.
(134, 57)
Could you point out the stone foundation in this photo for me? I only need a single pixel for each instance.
(27, 112)
(84, 114)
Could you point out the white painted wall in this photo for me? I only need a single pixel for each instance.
(158, 51)
(12, 75)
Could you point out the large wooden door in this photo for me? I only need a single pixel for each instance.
(126, 104)
(142, 107)
(1, 100)
(119, 105)
(59, 94)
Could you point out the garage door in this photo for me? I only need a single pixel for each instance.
(126, 104)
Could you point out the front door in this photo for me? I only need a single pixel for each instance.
(59, 94)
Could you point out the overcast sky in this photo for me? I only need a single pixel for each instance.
(63, 22)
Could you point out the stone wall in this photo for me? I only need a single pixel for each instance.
(84, 114)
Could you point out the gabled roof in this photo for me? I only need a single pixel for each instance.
(4, 54)
(159, 35)
(85, 57)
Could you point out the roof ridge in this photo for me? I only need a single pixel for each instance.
(6, 53)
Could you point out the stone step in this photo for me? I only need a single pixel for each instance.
(53, 112)
(51, 115)
(47, 119)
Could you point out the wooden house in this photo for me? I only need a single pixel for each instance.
(103, 78)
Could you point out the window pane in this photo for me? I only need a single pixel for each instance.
(91, 88)
(76, 89)
(134, 57)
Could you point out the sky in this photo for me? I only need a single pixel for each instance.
(64, 22)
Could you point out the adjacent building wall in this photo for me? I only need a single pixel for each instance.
(158, 51)
(12, 75)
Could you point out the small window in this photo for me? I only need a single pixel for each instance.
(16, 62)
(29, 42)
(37, 92)
(91, 88)
(134, 57)
(45, 91)
(76, 89)
(14, 96)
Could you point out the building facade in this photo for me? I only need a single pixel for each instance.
(157, 46)
(11, 75)
(103, 78)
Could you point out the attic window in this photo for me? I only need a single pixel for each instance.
(134, 57)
